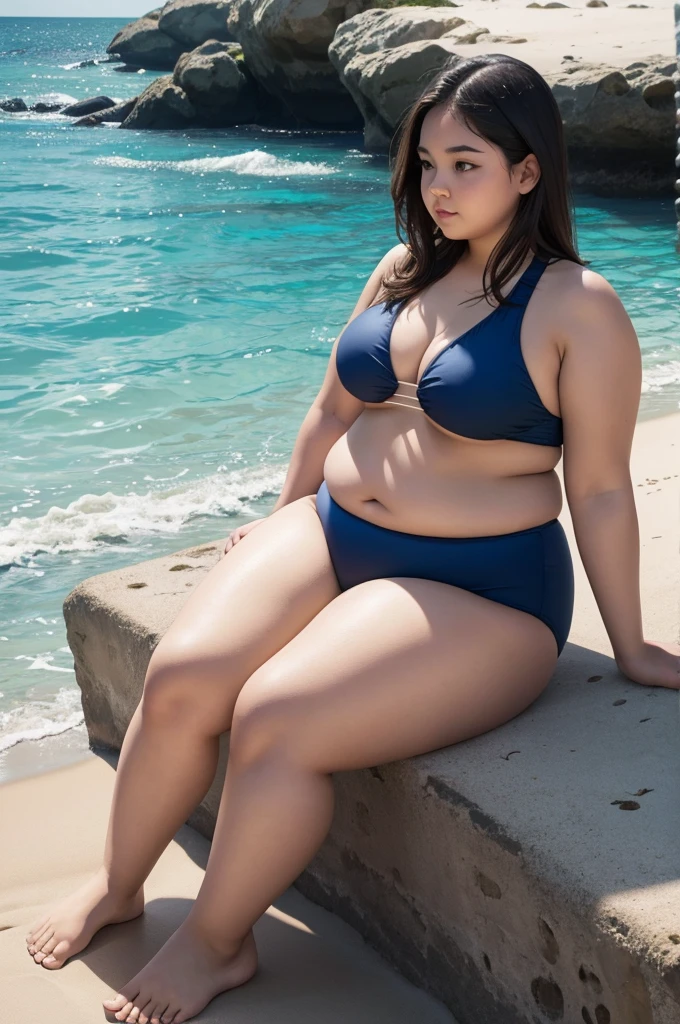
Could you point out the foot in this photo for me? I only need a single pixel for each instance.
(183, 977)
(68, 927)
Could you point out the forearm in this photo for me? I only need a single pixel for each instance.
(316, 437)
(608, 539)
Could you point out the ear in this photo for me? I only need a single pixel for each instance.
(529, 174)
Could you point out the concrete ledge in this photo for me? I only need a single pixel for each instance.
(500, 874)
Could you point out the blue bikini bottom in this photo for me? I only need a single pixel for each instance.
(530, 569)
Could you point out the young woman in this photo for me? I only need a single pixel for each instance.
(413, 586)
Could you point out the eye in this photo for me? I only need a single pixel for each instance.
(426, 165)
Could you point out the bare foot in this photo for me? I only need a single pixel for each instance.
(185, 974)
(68, 927)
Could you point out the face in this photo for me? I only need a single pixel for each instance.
(473, 183)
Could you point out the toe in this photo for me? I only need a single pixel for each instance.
(37, 939)
(36, 928)
(157, 1014)
(124, 1011)
(169, 1015)
(58, 956)
(49, 945)
(116, 1003)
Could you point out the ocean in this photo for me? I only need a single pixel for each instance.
(169, 302)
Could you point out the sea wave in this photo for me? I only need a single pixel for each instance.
(41, 718)
(256, 161)
(92, 521)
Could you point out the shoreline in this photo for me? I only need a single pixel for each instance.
(36, 757)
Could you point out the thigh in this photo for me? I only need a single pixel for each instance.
(259, 595)
(392, 668)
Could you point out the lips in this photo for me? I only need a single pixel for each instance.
(447, 213)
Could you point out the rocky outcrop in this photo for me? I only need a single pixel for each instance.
(192, 22)
(158, 39)
(382, 57)
(618, 122)
(162, 105)
(142, 44)
(285, 45)
(221, 93)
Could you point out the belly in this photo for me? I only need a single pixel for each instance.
(396, 469)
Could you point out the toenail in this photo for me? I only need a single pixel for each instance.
(48, 960)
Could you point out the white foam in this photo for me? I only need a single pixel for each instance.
(661, 376)
(256, 161)
(41, 718)
(94, 521)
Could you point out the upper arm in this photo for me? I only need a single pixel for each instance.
(599, 386)
(332, 396)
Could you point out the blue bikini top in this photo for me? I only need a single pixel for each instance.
(478, 386)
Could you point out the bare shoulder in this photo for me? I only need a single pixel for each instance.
(584, 306)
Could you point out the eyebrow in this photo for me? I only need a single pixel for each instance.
(453, 149)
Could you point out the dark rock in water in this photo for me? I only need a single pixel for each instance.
(13, 106)
(88, 106)
(192, 22)
(45, 108)
(216, 84)
(162, 105)
(142, 44)
(117, 113)
(129, 69)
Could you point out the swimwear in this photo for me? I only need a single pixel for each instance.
(530, 569)
(478, 386)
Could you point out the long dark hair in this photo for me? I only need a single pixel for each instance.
(509, 104)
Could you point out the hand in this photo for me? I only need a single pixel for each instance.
(240, 531)
(656, 664)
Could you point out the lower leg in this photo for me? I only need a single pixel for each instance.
(273, 817)
(163, 772)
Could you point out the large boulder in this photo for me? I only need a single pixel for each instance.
(142, 44)
(383, 58)
(285, 45)
(162, 105)
(219, 88)
(192, 22)
(619, 122)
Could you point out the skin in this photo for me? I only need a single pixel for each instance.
(311, 680)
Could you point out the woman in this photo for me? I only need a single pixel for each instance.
(412, 587)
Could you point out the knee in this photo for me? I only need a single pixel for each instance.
(264, 721)
(177, 690)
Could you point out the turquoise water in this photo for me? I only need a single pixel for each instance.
(169, 305)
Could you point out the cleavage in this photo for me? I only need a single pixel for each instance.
(444, 345)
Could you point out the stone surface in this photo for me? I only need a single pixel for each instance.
(192, 22)
(221, 93)
(285, 44)
(116, 113)
(162, 105)
(500, 874)
(91, 105)
(142, 44)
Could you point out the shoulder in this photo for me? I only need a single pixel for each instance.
(584, 307)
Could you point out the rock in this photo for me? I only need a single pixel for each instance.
(285, 45)
(192, 22)
(45, 108)
(221, 92)
(384, 56)
(117, 113)
(142, 44)
(162, 105)
(88, 106)
(13, 106)
(619, 128)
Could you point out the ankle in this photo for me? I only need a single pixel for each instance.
(117, 888)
